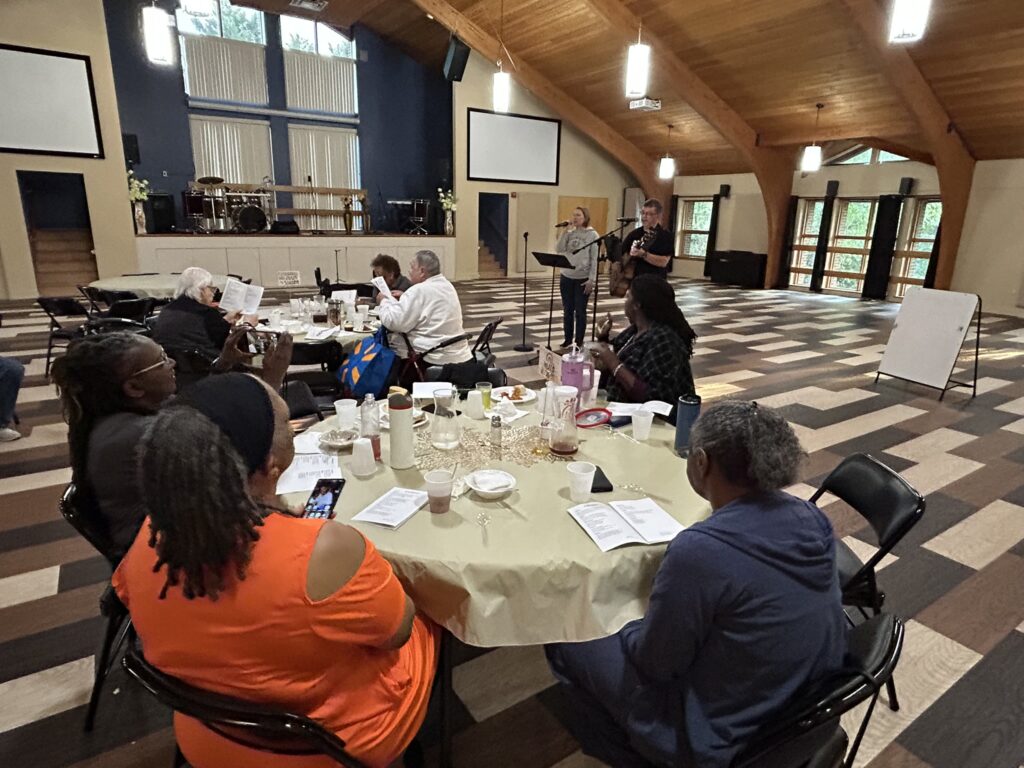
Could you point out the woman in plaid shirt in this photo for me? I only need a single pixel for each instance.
(650, 360)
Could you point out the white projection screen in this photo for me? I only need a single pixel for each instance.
(514, 148)
(49, 103)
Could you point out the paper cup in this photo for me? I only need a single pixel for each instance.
(581, 479)
(439, 490)
(642, 424)
(474, 407)
(363, 463)
(346, 413)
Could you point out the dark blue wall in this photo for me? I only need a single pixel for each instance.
(405, 130)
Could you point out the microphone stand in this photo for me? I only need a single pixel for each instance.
(523, 346)
(597, 275)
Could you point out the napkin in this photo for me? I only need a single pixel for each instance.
(507, 416)
(491, 480)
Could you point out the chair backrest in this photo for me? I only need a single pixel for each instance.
(94, 296)
(874, 649)
(363, 290)
(887, 501)
(483, 341)
(61, 306)
(83, 514)
(268, 730)
(110, 297)
(300, 400)
(132, 309)
(327, 354)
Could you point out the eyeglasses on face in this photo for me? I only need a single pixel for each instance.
(164, 361)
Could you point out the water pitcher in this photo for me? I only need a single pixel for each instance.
(444, 426)
(577, 371)
(565, 440)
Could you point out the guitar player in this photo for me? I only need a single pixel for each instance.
(655, 255)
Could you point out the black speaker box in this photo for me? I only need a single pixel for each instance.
(455, 60)
(160, 213)
(906, 185)
(831, 188)
(724, 190)
(284, 228)
(743, 268)
(131, 148)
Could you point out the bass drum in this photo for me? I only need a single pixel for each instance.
(250, 219)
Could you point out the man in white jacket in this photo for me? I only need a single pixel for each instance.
(428, 313)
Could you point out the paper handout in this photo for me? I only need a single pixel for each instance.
(659, 407)
(393, 508)
(625, 522)
(345, 297)
(239, 297)
(382, 285)
(305, 470)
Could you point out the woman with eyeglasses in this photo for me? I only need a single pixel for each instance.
(110, 386)
(191, 321)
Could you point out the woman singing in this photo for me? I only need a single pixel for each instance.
(577, 283)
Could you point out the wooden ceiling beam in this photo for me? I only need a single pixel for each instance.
(773, 166)
(899, 148)
(834, 133)
(953, 158)
(642, 165)
(349, 12)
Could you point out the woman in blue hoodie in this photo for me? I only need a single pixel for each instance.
(745, 611)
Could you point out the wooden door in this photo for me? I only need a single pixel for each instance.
(598, 207)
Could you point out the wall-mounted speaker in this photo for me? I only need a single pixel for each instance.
(724, 190)
(831, 188)
(131, 149)
(906, 186)
(159, 213)
(455, 60)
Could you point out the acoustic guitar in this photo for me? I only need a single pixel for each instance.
(622, 272)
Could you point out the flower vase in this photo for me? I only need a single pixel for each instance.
(449, 223)
(140, 217)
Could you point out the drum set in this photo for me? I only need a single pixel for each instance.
(211, 208)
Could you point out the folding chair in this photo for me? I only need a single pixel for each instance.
(891, 506)
(138, 310)
(56, 307)
(414, 367)
(482, 347)
(81, 512)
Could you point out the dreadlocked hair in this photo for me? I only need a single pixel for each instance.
(657, 300)
(90, 384)
(202, 520)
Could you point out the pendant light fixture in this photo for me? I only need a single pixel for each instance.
(811, 161)
(501, 86)
(156, 34)
(667, 166)
(908, 21)
(638, 68)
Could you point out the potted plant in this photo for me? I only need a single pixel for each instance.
(138, 193)
(448, 201)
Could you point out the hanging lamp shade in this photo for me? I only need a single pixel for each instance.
(501, 91)
(667, 167)
(638, 69)
(908, 21)
(156, 34)
(811, 160)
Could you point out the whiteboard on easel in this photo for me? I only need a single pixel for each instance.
(927, 336)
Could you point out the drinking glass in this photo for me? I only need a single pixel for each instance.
(484, 388)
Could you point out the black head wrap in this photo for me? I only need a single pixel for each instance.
(240, 406)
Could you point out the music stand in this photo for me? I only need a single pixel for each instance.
(555, 261)
(597, 279)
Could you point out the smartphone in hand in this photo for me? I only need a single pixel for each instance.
(324, 498)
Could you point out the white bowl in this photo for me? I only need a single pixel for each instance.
(493, 493)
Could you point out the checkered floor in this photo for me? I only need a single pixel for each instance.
(958, 577)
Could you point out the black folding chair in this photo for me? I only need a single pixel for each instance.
(363, 290)
(95, 298)
(190, 366)
(807, 734)
(496, 376)
(300, 400)
(60, 333)
(81, 512)
(414, 367)
(256, 726)
(891, 506)
(138, 310)
(482, 347)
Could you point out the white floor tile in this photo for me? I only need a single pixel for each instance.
(34, 697)
(982, 537)
(32, 585)
(940, 440)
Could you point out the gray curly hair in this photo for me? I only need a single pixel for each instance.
(754, 446)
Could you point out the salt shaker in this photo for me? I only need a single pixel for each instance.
(496, 431)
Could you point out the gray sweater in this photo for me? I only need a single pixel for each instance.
(586, 260)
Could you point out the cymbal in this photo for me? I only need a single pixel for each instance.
(209, 180)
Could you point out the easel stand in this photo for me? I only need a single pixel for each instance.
(597, 279)
(555, 261)
(522, 346)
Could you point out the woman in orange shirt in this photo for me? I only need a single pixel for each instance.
(232, 594)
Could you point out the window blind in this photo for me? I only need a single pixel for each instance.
(330, 157)
(236, 150)
(316, 83)
(224, 70)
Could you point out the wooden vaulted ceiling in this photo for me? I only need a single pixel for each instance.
(769, 60)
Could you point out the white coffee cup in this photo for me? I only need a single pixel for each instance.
(363, 463)
(439, 489)
(346, 412)
(581, 479)
(474, 407)
(642, 424)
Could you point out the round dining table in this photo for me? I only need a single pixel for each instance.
(519, 570)
(159, 286)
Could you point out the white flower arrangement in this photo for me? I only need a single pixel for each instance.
(447, 199)
(138, 189)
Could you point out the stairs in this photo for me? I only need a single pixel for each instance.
(488, 265)
(63, 260)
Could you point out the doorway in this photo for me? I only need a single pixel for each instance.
(492, 235)
(59, 231)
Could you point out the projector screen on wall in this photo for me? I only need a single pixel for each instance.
(47, 103)
(513, 148)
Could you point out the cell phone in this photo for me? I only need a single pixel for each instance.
(324, 498)
(258, 339)
(601, 482)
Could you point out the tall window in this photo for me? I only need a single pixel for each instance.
(805, 241)
(693, 228)
(866, 156)
(848, 252)
(315, 37)
(237, 151)
(219, 18)
(924, 228)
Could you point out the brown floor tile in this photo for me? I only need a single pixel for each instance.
(49, 612)
(992, 446)
(934, 419)
(845, 519)
(44, 555)
(155, 749)
(991, 482)
(25, 508)
(819, 463)
(984, 609)
(895, 756)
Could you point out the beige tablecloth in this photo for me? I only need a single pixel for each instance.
(531, 575)
(148, 286)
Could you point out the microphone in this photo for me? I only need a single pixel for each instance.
(625, 220)
(561, 224)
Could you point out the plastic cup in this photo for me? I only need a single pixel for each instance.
(484, 388)
(363, 463)
(346, 413)
(474, 404)
(642, 424)
(581, 479)
(439, 490)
